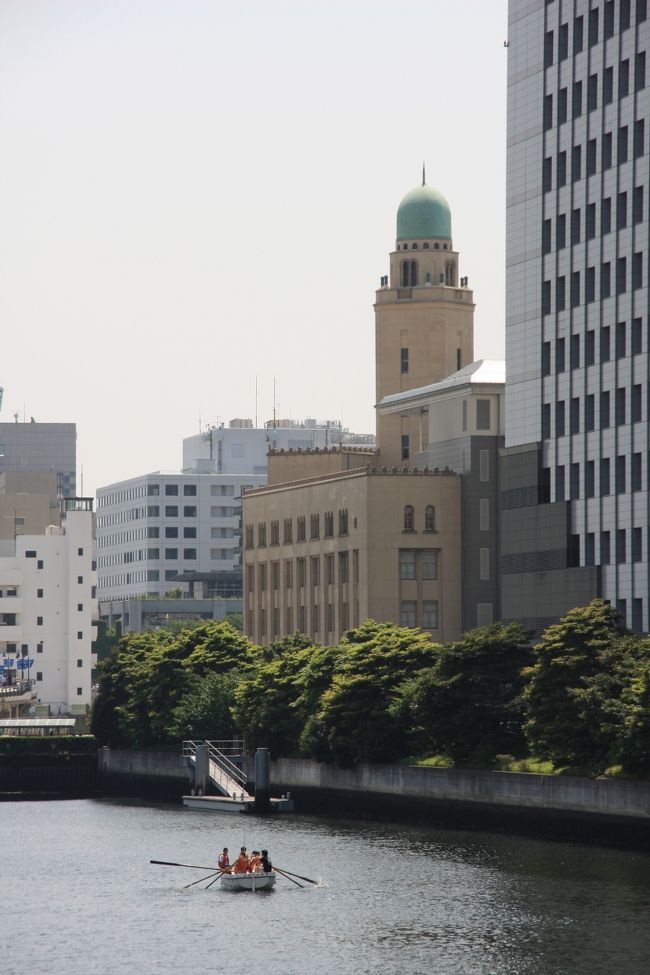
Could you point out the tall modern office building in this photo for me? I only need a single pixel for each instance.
(35, 446)
(575, 469)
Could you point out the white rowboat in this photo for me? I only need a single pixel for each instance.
(248, 881)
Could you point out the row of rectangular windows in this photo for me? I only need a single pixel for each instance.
(577, 100)
(621, 546)
(593, 29)
(576, 225)
(153, 531)
(576, 296)
(329, 573)
(589, 418)
(591, 156)
(301, 529)
(171, 490)
(605, 344)
(587, 489)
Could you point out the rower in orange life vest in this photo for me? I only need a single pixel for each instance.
(255, 865)
(241, 864)
(224, 859)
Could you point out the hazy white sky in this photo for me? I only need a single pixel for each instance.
(194, 193)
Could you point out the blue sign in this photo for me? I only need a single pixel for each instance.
(9, 662)
(24, 663)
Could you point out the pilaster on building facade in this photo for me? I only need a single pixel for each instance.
(48, 609)
(337, 537)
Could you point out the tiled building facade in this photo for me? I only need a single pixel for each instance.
(578, 193)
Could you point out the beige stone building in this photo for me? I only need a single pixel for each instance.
(323, 554)
(341, 535)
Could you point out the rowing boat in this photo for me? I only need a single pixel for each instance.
(248, 881)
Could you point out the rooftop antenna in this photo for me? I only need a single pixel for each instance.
(424, 178)
(274, 417)
(255, 402)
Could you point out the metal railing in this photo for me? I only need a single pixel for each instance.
(218, 751)
(15, 690)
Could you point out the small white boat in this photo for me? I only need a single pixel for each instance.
(248, 881)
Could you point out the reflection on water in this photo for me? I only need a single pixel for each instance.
(81, 897)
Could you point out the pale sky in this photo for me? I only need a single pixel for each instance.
(194, 193)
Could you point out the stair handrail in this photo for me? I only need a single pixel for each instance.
(230, 769)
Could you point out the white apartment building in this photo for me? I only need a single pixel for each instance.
(47, 608)
(156, 527)
(153, 528)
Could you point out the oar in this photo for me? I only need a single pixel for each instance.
(309, 881)
(287, 877)
(202, 879)
(192, 866)
(220, 874)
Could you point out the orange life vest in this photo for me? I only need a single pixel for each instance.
(241, 864)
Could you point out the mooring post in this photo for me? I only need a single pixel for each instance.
(201, 769)
(262, 780)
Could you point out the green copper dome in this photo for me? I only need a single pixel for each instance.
(423, 213)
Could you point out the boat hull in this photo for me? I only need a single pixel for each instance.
(248, 881)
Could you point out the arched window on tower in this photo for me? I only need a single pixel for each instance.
(429, 518)
(414, 273)
(409, 520)
(450, 274)
(406, 273)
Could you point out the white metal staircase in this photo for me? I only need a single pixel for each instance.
(226, 777)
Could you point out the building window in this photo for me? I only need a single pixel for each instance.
(430, 614)
(171, 490)
(39, 620)
(343, 521)
(482, 414)
(404, 360)
(189, 553)
(608, 86)
(80, 635)
(80, 662)
(604, 477)
(429, 518)
(590, 412)
(624, 79)
(189, 532)
(635, 473)
(314, 526)
(329, 524)
(620, 470)
(344, 575)
(288, 531)
(590, 479)
(429, 564)
(484, 559)
(409, 518)
(261, 534)
(577, 99)
(405, 447)
(605, 548)
(407, 564)
(171, 553)
(189, 511)
(275, 533)
(39, 593)
(484, 465)
(621, 545)
(171, 511)
(408, 612)
(637, 545)
(171, 532)
(189, 490)
(329, 570)
(301, 570)
(639, 138)
(301, 529)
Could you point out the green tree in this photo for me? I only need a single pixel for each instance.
(144, 681)
(268, 707)
(205, 709)
(468, 705)
(573, 700)
(357, 720)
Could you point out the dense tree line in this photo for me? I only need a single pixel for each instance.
(578, 698)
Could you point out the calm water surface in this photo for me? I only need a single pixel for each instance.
(80, 898)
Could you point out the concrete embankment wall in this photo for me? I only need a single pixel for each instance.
(33, 775)
(598, 810)
(143, 772)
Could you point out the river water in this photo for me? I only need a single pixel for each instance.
(79, 897)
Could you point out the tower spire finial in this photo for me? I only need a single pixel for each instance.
(424, 178)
